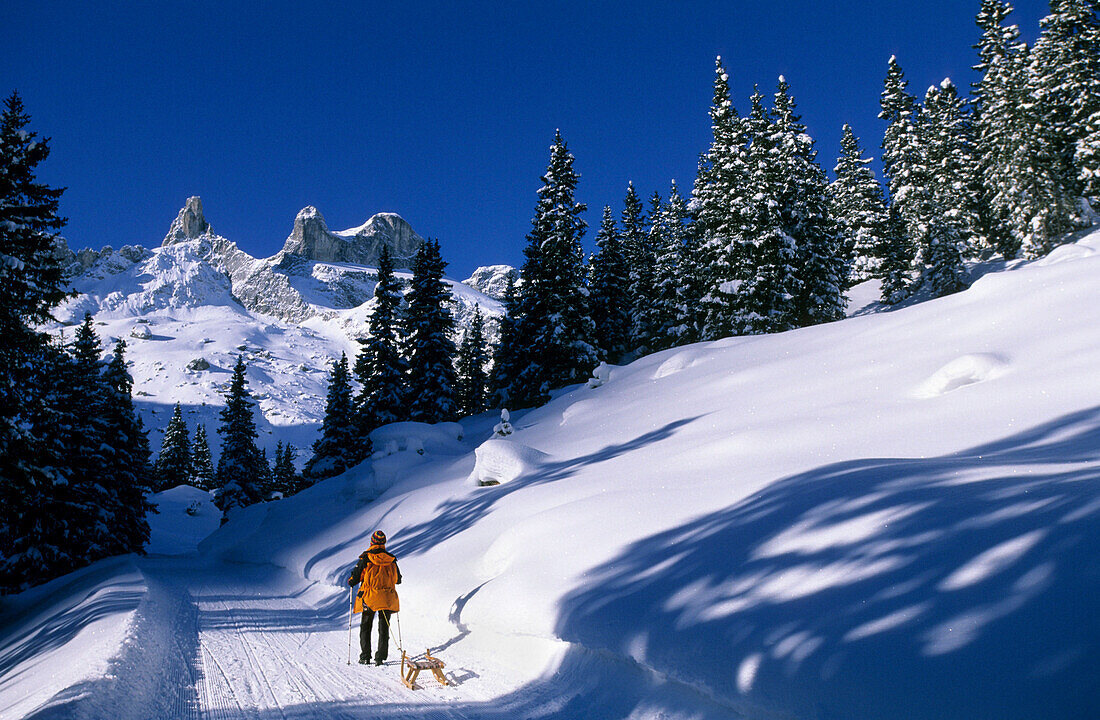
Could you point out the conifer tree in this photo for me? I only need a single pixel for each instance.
(640, 253)
(672, 322)
(553, 324)
(174, 460)
(266, 483)
(239, 472)
(946, 273)
(89, 446)
(645, 317)
(722, 211)
(1065, 81)
(996, 101)
(903, 161)
(948, 139)
(1035, 194)
(635, 245)
(507, 355)
(471, 381)
(946, 150)
(131, 472)
(896, 257)
(430, 348)
(609, 285)
(286, 478)
(857, 206)
(33, 459)
(1087, 159)
(202, 463)
(380, 367)
(802, 190)
(338, 447)
(768, 282)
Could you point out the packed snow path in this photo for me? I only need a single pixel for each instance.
(242, 641)
(259, 651)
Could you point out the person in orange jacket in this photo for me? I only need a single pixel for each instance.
(376, 573)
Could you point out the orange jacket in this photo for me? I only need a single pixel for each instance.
(377, 573)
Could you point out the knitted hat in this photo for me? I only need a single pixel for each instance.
(378, 538)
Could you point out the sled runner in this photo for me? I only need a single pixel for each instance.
(415, 665)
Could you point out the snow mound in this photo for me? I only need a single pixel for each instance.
(960, 372)
(579, 409)
(1066, 253)
(676, 363)
(185, 517)
(500, 460)
(441, 438)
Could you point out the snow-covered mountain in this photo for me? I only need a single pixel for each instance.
(190, 306)
(892, 516)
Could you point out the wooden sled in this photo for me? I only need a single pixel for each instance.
(416, 665)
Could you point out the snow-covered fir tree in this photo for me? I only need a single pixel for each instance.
(638, 247)
(802, 192)
(266, 482)
(949, 166)
(645, 315)
(90, 492)
(609, 285)
(553, 324)
(1036, 196)
(1000, 64)
(33, 460)
(1087, 159)
(471, 380)
(945, 272)
(904, 162)
(896, 259)
(131, 472)
(1065, 80)
(673, 263)
(202, 462)
(948, 139)
(339, 446)
(507, 354)
(174, 461)
(429, 346)
(857, 206)
(286, 479)
(380, 367)
(720, 207)
(239, 471)
(765, 295)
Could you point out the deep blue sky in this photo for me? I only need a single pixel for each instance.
(440, 111)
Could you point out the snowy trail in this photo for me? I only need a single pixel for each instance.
(264, 651)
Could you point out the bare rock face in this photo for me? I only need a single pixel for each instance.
(189, 224)
(311, 239)
(492, 280)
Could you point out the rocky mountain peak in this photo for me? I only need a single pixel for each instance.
(311, 239)
(189, 224)
(492, 280)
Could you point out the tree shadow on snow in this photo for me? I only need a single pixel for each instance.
(959, 586)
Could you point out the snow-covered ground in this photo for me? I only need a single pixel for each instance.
(892, 516)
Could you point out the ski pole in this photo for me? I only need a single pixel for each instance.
(351, 614)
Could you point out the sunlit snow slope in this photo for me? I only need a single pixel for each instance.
(892, 516)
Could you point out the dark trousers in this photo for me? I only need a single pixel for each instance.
(365, 626)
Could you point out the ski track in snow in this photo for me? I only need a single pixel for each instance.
(252, 667)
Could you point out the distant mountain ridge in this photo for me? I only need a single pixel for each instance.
(199, 297)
